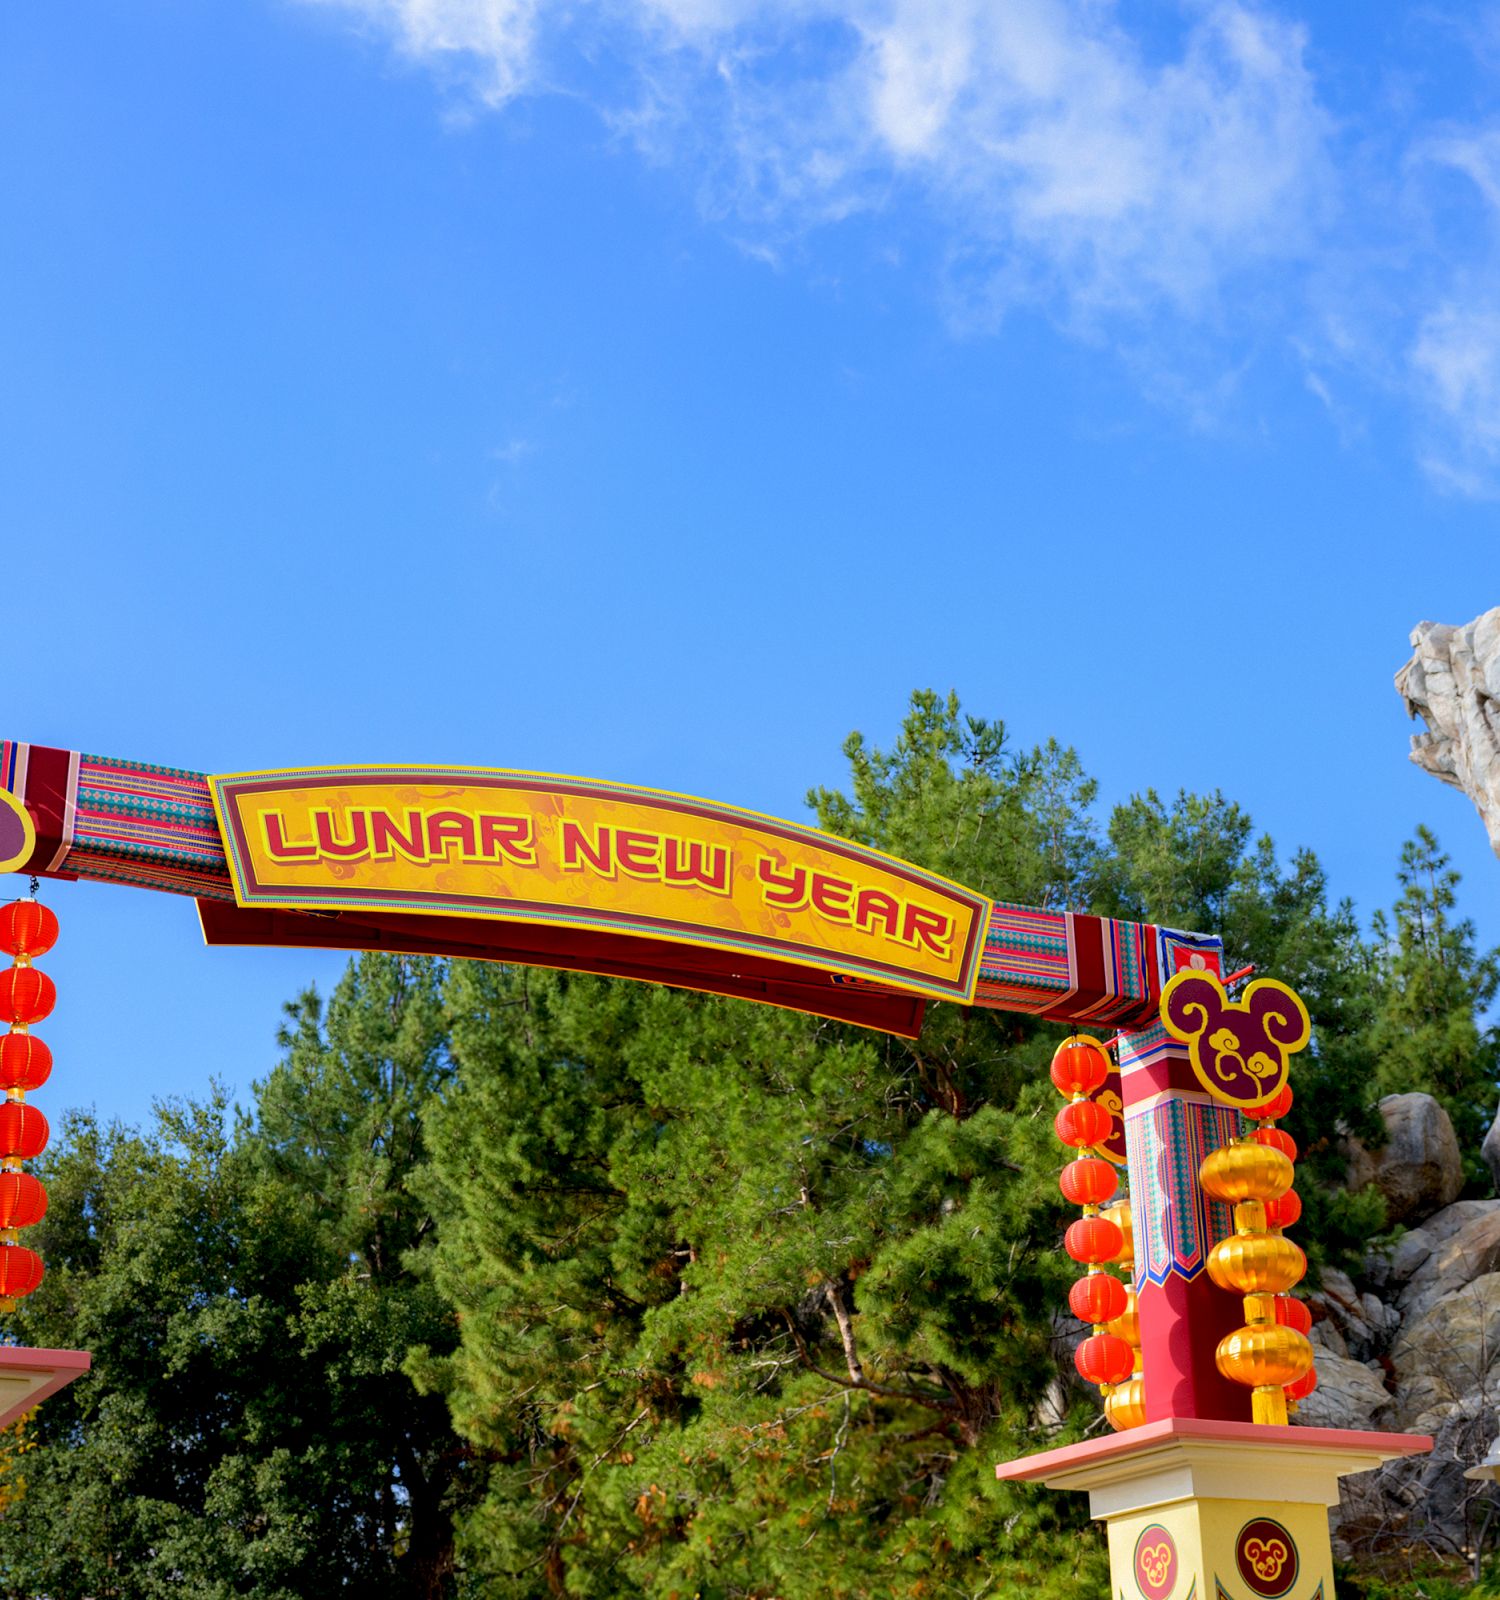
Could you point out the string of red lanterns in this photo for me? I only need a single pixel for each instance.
(1079, 1069)
(1125, 1404)
(27, 995)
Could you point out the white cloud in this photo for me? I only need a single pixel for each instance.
(1457, 360)
(495, 38)
(1047, 137)
(1476, 154)
(1037, 131)
(1454, 355)
(1185, 197)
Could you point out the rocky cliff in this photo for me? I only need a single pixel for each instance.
(1453, 683)
(1414, 1346)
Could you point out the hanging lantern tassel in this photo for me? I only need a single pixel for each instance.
(1271, 1353)
(1079, 1069)
(27, 930)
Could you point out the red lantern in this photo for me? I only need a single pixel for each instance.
(1088, 1181)
(1083, 1123)
(1104, 1358)
(1098, 1298)
(23, 1131)
(1278, 1140)
(20, 1271)
(1079, 1066)
(23, 1201)
(27, 929)
(1304, 1385)
(1090, 1240)
(1293, 1313)
(1283, 1211)
(25, 1061)
(1276, 1107)
(26, 995)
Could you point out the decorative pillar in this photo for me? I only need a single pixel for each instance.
(1201, 1504)
(1171, 1124)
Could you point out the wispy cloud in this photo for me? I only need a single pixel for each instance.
(491, 41)
(1187, 188)
(1038, 129)
(1455, 353)
(1456, 357)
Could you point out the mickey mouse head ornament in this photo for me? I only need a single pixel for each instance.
(1239, 1049)
(17, 833)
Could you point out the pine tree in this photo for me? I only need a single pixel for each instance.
(1434, 991)
(249, 1294)
(751, 1303)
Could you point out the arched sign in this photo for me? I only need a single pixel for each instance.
(393, 848)
(563, 872)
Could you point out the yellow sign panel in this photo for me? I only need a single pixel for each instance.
(597, 857)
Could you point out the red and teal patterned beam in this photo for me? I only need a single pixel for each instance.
(153, 827)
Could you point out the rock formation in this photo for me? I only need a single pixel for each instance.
(1490, 1151)
(1415, 1346)
(1420, 1168)
(1453, 683)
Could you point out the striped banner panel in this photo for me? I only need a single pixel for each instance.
(1176, 1225)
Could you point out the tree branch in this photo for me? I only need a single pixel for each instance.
(915, 1396)
(833, 1292)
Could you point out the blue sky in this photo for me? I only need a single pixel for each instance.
(659, 389)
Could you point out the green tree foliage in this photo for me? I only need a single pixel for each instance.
(952, 796)
(248, 1429)
(746, 1310)
(517, 1283)
(1434, 991)
(751, 1303)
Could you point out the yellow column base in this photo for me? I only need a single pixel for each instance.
(1200, 1510)
(1241, 1549)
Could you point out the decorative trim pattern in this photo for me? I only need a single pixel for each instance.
(1177, 950)
(1070, 966)
(1221, 1593)
(1175, 1224)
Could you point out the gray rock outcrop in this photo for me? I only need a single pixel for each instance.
(1420, 1169)
(1453, 683)
(1452, 1350)
(1423, 1500)
(1349, 1395)
(1457, 1246)
(1490, 1151)
(1422, 1356)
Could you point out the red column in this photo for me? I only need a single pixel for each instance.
(1170, 1125)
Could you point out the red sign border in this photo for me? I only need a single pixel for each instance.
(227, 789)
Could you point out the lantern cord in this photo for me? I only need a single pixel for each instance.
(35, 885)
